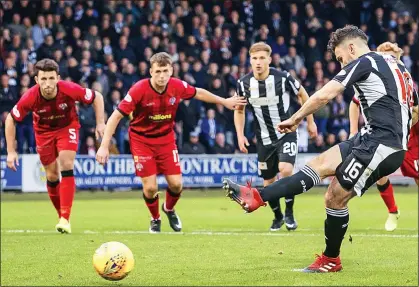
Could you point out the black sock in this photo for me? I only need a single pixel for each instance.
(382, 188)
(276, 209)
(289, 203)
(298, 183)
(335, 227)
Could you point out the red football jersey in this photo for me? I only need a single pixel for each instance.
(153, 112)
(56, 113)
(413, 144)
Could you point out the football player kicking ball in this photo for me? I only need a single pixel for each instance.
(385, 93)
(409, 166)
(53, 104)
(154, 103)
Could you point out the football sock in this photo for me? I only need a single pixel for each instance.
(171, 199)
(298, 183)
(276, 208)
(335, 227)
(387, 194)
(53, 188)
(153, 206)
(289, 203)
(67, 191)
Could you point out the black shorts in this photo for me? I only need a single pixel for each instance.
(364, 161)
(269, 156)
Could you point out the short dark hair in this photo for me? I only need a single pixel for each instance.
(46, 65)
(347, 32)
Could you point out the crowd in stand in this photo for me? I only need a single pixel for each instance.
(106, 46)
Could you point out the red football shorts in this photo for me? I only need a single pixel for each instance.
(409, 166)
(154, 159)
(49, 144)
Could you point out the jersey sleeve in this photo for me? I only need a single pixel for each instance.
(127, 105)
(356, 71)
(415, 97)
(186, 91)
(240, 88)
(77, 92)
(293, 84)
(24, 105)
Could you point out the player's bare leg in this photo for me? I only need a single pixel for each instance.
(52, 172)
(320, 167)
(387, 194)
(285, 170)
(67, 189)
(417, 181)
(335, 226)
(151, 198)
(173, 193)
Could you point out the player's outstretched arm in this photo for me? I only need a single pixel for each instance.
(230, 103)
(313, 104)
(99, 107)
(102, 154)
(10, 131)
(311, 125)
(353, 118)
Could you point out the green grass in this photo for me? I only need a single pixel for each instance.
(239, 251)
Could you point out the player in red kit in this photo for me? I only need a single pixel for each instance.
(410, 164)
(56, 125)
(154, 103)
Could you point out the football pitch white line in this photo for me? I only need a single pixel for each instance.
(210, 233)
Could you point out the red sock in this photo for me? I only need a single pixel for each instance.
(67, 191)
(387, 194)
(171, 199)
(153, 206)
(53, 188)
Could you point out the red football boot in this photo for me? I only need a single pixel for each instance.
(324, 264)
(247, 196)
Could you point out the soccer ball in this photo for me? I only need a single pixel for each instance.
(113, 261)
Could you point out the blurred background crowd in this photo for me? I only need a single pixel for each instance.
(106, 46)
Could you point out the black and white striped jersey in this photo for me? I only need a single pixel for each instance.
(269, 101)
(385, 91)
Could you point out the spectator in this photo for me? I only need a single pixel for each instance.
(193, 146)
(39, 31)
(318, 146)
(221, 147)
(293, 60)
(8, 94)
(16, 27)
(208, 127)
(89, 147)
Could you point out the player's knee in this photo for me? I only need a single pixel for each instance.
(66, 164)
(176, 187)
(52, 176)
(286, 169)
(150, 191)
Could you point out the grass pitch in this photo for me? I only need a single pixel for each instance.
(219, 246)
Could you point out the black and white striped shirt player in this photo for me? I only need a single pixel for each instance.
(385, 91)
(270, 101)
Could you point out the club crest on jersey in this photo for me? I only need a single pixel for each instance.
(16, 112)
(172, 101)
(63, 106)
(139, 166)
(88, 95)
(270, 86)
(128, 98)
